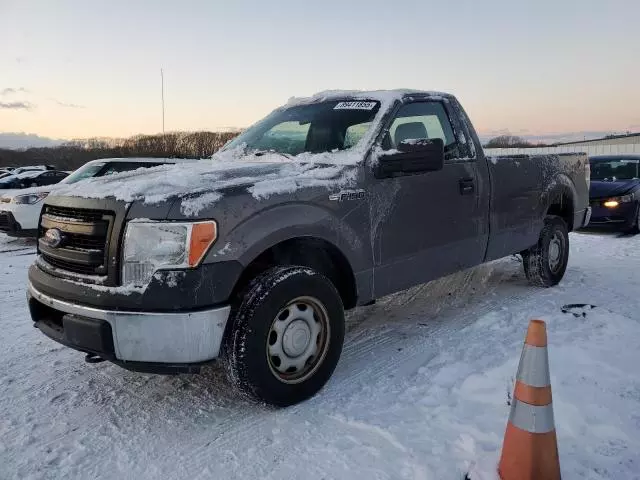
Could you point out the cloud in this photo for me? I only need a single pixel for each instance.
(16, 105)
(69, 105)
(13, 91)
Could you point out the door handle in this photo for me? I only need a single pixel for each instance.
(467, 186)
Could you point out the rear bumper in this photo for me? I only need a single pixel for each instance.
(581, 218)
(145, 341)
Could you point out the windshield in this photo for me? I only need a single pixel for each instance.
(8, 180)
(86, 171)
(314, 128)
(613, 170)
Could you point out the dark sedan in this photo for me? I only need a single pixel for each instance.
(615, 191)
(32, 178)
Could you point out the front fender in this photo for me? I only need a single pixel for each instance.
(278, 223)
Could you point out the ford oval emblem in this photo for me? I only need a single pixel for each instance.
(53, 237)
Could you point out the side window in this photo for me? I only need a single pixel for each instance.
(354, 133)
(422, 120)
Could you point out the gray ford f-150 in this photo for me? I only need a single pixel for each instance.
(328, 203)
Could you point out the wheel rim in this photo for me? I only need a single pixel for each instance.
(556, 249)
(298, 340)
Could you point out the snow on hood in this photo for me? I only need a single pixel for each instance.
(202, 184)
(599, 189)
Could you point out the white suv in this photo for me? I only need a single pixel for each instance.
(20, 209)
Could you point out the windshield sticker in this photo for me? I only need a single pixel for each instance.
(355, 106)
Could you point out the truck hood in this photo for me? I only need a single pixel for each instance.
(201, 185)
(601, 189)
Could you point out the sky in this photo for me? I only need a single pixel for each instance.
(84, 68)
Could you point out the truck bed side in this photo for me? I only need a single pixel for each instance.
(526, 188)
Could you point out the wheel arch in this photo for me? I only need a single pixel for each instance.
(560, 197)
(311, 251)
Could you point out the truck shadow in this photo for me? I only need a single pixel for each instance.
(606, 232)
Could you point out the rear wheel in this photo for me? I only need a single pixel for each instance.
(286, 335)
(546, 262)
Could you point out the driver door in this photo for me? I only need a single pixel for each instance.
(425, 225)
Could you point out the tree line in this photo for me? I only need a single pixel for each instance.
(76, 153)
(511, 141)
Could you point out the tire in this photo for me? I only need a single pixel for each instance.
(272, 326)
(635, 226)
(546, 262)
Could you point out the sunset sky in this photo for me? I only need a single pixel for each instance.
(80, 68)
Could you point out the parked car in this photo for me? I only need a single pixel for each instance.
(29, 168)
(20, 209)
(615, 191)
(328, 203)
(31, 178)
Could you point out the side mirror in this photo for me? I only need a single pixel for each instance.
(412, 156)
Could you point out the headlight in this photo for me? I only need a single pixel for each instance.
(614, 202)
(153, 246)
(29, 198)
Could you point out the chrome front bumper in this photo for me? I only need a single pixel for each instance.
(153, 337)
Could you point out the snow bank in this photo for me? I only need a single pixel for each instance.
(420, 392)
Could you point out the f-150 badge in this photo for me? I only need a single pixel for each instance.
(347, 195)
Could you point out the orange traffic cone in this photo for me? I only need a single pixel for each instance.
(530, 448)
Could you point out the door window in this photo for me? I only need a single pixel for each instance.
(422, 120)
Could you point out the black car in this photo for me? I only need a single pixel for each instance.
(615, 191)
(32, 178)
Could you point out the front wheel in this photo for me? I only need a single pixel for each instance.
(285, 336)
(635, 225)
(546, 262)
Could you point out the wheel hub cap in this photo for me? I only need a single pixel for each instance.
(296, 338)
(555, 252)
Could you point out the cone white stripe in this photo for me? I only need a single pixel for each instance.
(531, 418)
(534, 367)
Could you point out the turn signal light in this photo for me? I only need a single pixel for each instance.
(202, 236)
(611, 203)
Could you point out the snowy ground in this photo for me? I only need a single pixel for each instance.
(420, 391)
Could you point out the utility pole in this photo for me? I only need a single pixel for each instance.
(162, 86)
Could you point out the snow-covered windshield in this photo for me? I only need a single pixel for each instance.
(313, 128)
(612, 170)
(88, 170)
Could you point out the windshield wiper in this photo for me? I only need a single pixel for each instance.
(260, 153)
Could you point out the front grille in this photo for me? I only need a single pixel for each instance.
(4, 220)
(76, 214)
(70, 266)
(84, 245)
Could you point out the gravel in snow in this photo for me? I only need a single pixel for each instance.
(420, 391)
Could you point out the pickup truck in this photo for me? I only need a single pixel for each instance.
(328, 203)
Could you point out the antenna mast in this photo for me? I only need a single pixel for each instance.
(162, 82)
